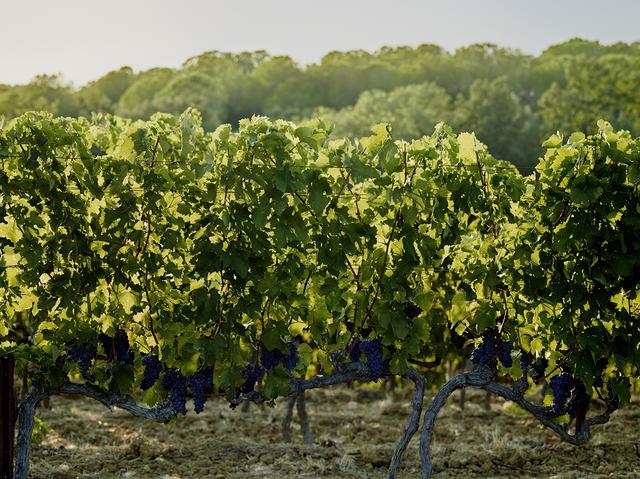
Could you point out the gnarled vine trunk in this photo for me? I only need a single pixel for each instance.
(26, 423)
(483, 378)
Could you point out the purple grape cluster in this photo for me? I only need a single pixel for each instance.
(411, 310)
(491, 347)
(251, 375)
(504, 353)
(355, 352)
(199, 383)
(561, 386)
(152, 370)
(176, 383)
(372, 349)
(525, 361)
(84, 354)
(290, 360)
(123, 350)
(107, 345)
(118, 347)
(537, 369)
(270, 359)
(485, 353)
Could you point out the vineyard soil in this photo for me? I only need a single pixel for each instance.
(355, 431)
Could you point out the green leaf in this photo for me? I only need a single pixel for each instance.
(239, 265)
(271, 338)
(400, 327)
(318, 199)
(123, 378)
(459, 310)
(277, 383)
(553, 141)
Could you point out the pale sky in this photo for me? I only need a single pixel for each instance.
(84, 39)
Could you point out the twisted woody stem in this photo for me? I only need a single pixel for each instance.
(28, 405)
(165, 412)
(298, 402)
(26, 422)
(357, 371)
(483, 378)
(412, 425)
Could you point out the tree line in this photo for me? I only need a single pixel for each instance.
(511, 100)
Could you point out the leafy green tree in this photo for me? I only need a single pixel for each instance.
(581, 48)
(342, 76)
(605, 87)
(138, 100)
(501, 120)
(278, 88)
(103, 94)
(575, 47)
(44, 92)
(193, 89)
(411, 110)
(488, 61)
(416, 65)
(231, 72)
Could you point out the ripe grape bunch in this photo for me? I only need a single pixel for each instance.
(84, 354)
(251, 375)
(290, 360)
(176, 383)
(491, 347)
(372, 349)
(152, 370)
(270, 359)
(199, 383)
(123, 350)
(561, 387)
(504, 353)
(118, 347)
(537, 369)
(354, 352)
(411, 310)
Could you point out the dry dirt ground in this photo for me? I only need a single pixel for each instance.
(355, 431)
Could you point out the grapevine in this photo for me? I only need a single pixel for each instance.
(261, 263)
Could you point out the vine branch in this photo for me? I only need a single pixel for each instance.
(412, 425)
(483, 378)
(162, 413)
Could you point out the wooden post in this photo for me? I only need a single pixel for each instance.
(7, 416)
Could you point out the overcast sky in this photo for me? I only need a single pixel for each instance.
(83, 39)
